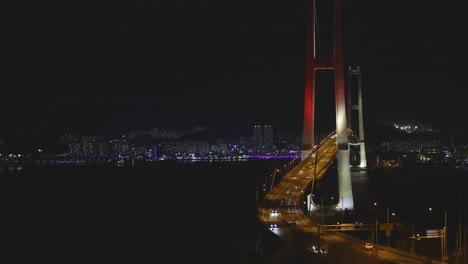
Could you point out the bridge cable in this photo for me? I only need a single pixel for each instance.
(274, 176)
(316, 25)
(315, 174)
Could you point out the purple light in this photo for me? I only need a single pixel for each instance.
(155, 152)
(277, 156)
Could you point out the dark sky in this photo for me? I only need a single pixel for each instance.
(100, 66)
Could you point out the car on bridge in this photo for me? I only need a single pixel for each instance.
(319, 249)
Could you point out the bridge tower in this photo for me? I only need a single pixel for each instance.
(335, 63)
(350, 106)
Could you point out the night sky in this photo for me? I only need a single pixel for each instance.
(102, 66)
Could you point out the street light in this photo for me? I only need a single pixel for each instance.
(388, 220)
(444, 255)
(442, 235)
(374, 209)
(389, 227)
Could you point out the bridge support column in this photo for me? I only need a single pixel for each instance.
(344, 181)
(314, 63)
(358, 107)
(361, 125)
(344, 171)
(309, 89)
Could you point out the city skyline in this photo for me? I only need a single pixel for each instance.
(265, 138)
(104, 66)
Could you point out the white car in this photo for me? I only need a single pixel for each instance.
(315, 248)
(320, 250)
(369, 245)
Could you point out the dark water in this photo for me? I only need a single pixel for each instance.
(205, 212)
(202, 211)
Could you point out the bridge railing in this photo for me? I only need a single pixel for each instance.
(393, 250)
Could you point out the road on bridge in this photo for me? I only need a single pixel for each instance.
(281, 211)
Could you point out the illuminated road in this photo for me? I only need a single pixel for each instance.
(281, 211)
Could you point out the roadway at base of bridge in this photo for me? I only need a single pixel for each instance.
(312, 207)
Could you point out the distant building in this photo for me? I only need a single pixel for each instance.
(289, 143)
(67, 138)
(409, 145)
(388, 161)
(193, 146)
(263, 139)
(134, 134)
(245, 144)
(409, 128)
(434, 155)
(159, 133)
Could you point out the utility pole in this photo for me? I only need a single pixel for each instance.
(443, 240)
(319, 230)
(376, 239)
(376, 231)
(388, 220)
(342, 204)
(460, 235)
(313, 179)
(442, 244)
(464, 235)
(413, 246)
(321, 208)
(442, 234)
(256, 198)
(445, 235)
(273, 180)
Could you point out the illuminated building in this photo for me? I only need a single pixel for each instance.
(263, 138)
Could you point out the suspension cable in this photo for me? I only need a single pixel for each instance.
(316, 24)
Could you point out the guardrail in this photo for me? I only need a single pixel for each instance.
(394, 250)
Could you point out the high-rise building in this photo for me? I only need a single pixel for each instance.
(263, 138)
(159, 133)
(66, 138)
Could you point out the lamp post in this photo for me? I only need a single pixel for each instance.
(437, 233)
(374, 233)
(389, 227)
(321, 209)
(388, 220)
(443, 238)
